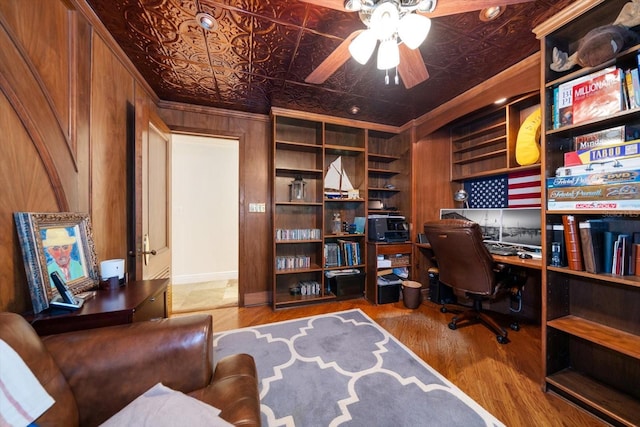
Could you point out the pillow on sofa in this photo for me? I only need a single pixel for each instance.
(161, 406)
(22, 397)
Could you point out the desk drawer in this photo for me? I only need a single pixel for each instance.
(154, 307)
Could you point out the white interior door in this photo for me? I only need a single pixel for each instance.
(156, 198)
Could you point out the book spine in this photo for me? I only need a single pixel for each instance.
(572, 241)
(607, 251)
(636, 258)
(587, 247)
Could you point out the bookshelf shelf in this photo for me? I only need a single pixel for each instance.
(382, 172)
(619, 407)
(382, 158)
(591, 330)
(600, 334)
(492, 141)
(633, 281)
(474, 134)
(480, 157)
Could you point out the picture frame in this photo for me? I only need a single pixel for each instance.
(57, 241)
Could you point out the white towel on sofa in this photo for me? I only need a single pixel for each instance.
(161, 406)
(22, 397)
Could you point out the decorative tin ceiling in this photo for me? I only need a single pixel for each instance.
(263, 49)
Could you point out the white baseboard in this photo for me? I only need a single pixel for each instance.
(204, 277)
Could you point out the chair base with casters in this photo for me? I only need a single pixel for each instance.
(476, 315)
(511, 280)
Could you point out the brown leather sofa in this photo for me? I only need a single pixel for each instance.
(92, 374)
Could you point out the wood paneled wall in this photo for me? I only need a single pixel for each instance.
(64, 97)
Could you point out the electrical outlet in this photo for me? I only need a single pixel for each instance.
(261, 207)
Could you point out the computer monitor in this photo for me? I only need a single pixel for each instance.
(514, 226)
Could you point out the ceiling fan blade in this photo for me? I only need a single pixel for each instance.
(411, 68)
(330, 4)
(334, 61)
(451, 7)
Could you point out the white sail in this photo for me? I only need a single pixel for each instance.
(336, 178)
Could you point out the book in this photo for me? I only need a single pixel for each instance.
(563, 108)
(624, 150)
(627, 85)
(609, 237)
(592, 242)
(606, 192)
(621, 253)
(572, 242)
(600, 96)
(588, 205)
(596, 178)
(605, 137)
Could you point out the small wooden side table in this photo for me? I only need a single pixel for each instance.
(135, 301)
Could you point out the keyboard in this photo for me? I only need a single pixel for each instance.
(501, 250)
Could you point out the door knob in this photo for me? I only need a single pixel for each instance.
(145, 252)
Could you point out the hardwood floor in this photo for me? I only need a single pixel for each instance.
(504, 379)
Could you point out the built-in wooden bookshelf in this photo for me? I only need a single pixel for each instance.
(484, 142)
(377, 161)
(591, 322)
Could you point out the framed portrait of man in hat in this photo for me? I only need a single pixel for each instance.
(56, 242)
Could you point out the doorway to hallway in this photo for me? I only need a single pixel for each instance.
(205, 221)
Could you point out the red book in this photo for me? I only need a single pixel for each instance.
(572, 243)
(600, 96)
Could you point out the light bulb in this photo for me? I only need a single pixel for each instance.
(361, 48)
(388, 54)
(413, 29)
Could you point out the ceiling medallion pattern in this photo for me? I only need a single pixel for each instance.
(264, 49)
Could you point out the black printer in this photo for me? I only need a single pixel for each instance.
(387, 228)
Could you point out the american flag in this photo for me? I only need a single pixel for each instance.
(514, 190)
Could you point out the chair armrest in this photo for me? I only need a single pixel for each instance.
(109, 367)
(234, 390)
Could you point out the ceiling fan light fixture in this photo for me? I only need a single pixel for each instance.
(427, 6)
(352, 5)
(362, 47)
(491, 13)
(206, 21)
(413, 29)
(388, 54)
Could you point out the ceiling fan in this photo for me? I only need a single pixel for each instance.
(400, 26)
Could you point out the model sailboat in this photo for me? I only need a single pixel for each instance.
(336, 181)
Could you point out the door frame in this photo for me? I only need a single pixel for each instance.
(238, 136)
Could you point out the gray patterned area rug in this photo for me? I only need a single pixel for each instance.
(343, 369)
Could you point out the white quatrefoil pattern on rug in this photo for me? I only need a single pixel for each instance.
(343, 369)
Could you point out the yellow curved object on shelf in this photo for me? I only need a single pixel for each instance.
(528, 141)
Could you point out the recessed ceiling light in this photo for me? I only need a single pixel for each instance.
(491, 13)
(354, 109)
(206, 21)
(500, 101)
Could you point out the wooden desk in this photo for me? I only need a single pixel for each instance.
(133, 302)
(515, 260)
(511, 260)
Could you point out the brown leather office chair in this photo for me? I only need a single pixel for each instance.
(465, 264)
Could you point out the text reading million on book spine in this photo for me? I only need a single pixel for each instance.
(596, 95)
